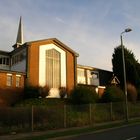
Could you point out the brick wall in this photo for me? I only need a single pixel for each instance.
(33, 63)
(3, 79)
(70, 71)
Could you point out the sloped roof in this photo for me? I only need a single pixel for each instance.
(92, 68)
(4, 52)
(54, 40)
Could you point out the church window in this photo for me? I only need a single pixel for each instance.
(53, 68)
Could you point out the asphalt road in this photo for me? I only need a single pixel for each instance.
(122, 133)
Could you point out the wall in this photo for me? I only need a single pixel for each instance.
(70, 71)
(33, 65)
(3, 79)
(20, 65)
(36, 63)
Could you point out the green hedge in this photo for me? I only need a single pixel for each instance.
(83, 95)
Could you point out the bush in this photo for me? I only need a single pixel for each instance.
(131, 93)
(83, 95)
(44, 91)
(63, 92)
(9, 97)
(31, 92)
(112, 94)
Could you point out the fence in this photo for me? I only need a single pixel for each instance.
(55, 117)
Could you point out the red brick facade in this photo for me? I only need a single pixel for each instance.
(33, 62)
(3, 79)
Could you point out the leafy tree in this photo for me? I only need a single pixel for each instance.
(132, 75)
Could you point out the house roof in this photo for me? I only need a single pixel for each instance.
(4, 52)
(92, 68)
(54, 40)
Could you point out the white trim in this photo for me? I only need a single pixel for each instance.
(18, 75)
(102, 87)
(42, 63)
(9, 74)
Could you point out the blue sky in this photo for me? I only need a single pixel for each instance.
(90, 27)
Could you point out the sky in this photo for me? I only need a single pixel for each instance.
(92, 28)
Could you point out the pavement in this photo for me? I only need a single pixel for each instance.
(18, 136)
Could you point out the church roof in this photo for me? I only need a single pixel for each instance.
(55, 41)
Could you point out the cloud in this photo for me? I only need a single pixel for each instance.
(91, 28)
(58, 19)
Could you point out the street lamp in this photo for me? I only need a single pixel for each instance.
(124, 71)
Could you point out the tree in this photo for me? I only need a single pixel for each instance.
(132, 75)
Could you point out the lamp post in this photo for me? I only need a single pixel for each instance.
(124, 72)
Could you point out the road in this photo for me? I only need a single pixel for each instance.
(123, 133)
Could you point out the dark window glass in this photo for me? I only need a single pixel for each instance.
(0, 60)
(7, 61)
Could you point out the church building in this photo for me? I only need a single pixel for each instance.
(38, 63)
(47, 62)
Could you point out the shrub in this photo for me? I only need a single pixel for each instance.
(31, 92)
(44, 91)
(9, 97)
(112, 94)
(131, 93)
(62, 92)
(83, 95)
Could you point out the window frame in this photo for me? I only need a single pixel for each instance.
(9, 81)
(18, 80)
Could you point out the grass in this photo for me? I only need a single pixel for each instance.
(79, 131)
(41, 102)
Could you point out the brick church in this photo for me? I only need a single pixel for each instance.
(45, 62)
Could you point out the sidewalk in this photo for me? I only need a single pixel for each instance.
(98, 127)
(19, 136)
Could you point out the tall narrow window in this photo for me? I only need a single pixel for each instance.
(9, 79)
(53, 75)
(18, 80)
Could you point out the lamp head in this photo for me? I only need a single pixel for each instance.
(128, 30)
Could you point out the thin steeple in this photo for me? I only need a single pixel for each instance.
(19, 40)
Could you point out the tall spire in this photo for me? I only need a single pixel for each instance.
(19, 40)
